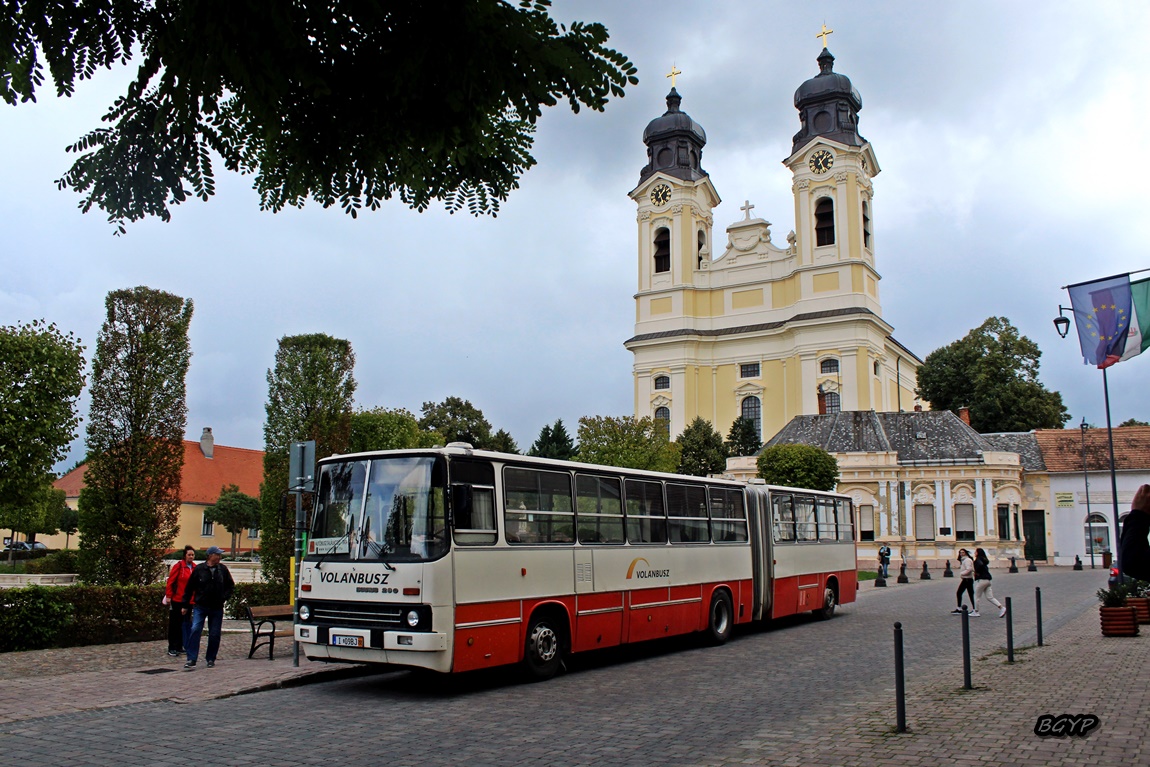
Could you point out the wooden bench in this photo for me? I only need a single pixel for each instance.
(264, 631)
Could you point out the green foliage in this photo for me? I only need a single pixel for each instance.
(455, 125)
(702, 449)
(743, 438)
(993, 371)
(72, 616)
(53, 564)
(41, 513)
(235, 510)
(310, 393)
(130, 504)
(799, 466)
(41, 377)
(388, 429)
(68, 522)
(33, 618)
(256, 595)
(458, 421)
(503, 442)
(1114, 596)
(629, 442)
(1133, 422)
(554, 442)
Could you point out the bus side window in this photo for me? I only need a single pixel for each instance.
(825, 511)
(687, 514)
(474, 514)
(728, 517)
(784, 514)
(646, 517)
(598, 509)
(845, 519)
(806, 528)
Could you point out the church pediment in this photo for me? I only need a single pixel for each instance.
(748, 241)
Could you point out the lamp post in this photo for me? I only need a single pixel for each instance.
(1086, 479)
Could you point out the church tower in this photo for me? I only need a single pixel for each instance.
(748, 328)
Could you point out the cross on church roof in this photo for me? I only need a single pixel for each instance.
(822, 34)
(747, 207)
(674, 71)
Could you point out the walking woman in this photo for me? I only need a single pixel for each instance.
(179, 612)
(982, 588)
(965, 583)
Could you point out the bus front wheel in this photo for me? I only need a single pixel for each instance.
(827, 611)
(721, 618)
(543, 650)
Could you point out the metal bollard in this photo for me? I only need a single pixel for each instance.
(880, 582)
(1038, 611)
(925, 574)
(1077, 562)
(1031, 568)
(1009, 632)
(902, 574)
(948, 573)
(1013, 567)
(966, 649)
(899, 685)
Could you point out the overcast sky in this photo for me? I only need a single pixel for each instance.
(1009, 137)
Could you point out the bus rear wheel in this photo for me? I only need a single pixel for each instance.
(721, 618)
(543, 650)
(827, 611)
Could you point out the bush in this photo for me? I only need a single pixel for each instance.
(55, 563)
(32, 618)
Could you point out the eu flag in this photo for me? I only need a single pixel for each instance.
(1102, 315)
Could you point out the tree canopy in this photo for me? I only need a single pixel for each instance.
(1133, 422)
(41, 377)
(806, 466)
(743, 438)
(993, 371)
(629, 442)
(130, 504)
(388, 429)
(458, 421)
(235, 510)
(553, 442)
(346, 103)
(702, 449)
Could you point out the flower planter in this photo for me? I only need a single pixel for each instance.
(1119, 621)
(1141, 607)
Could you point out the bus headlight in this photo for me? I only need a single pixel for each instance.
(413, 618)
(304, 613)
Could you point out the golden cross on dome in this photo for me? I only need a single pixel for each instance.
(674, 71)
(824, 34)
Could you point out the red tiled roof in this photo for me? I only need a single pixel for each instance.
(202, 478)
(1062, 448)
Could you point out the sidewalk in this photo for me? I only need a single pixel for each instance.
(42, 683)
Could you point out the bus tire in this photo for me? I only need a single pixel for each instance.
(543, 648)
(720, 618)
(827, 611)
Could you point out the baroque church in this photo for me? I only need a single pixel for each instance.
(748, 327)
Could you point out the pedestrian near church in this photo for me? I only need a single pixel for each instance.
(982, 578)
(209, 587)
(965, 583)
(1134, 546)
(179, 610)
(884, 559)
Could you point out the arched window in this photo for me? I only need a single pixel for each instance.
(834, 404)
(876, 368)
(702, 243)
(1097, 534)
(752, 409)
(663, 419)
(866, 224)
(663, 382)
(829, 366)
(825, 222)
(662, 250)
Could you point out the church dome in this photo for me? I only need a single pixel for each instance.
(674, 143)
(828, 106)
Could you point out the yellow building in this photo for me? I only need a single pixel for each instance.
(749, 328)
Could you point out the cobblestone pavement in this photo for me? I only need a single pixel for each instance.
(798, 693)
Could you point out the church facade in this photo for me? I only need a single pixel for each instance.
(748, 327)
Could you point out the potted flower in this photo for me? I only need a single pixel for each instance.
(1139, 598)
(1118, 618)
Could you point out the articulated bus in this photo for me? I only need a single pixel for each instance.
(456, 559)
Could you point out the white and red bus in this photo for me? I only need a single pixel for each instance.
(456, 559)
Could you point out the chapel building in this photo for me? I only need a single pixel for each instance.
(748, 328)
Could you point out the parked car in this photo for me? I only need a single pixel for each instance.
(25, 546)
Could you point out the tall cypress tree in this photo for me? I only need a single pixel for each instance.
(310, 393)
(130, 504)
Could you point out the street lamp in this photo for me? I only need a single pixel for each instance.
(1086, 479)
(1062, 322)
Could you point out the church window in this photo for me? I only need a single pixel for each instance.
(825, 222)
(749, 370)
(752, 410)
(662, 382)
(834, 403)
(924, 522)
(866, 224)
(702, 244)
(662, 250)
(829, 366)
(876, 368)
(663, 419)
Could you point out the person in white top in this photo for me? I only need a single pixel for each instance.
(965, 583)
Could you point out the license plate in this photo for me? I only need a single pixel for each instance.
(346, 641)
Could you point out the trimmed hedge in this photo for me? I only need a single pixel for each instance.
(55, 563)
(36, 617)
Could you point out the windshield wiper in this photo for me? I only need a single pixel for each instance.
(331, 548)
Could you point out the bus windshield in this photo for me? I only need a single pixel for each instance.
(387, 508)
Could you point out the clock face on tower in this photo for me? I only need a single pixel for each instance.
(821, 161)
(661, 194)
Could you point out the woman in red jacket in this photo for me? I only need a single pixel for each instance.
(179, 611)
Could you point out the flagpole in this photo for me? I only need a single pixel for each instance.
(1113, 478)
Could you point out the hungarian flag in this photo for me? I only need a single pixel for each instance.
(1113, 318)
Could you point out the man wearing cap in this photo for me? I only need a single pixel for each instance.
(209, 586)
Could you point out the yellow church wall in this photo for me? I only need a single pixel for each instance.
(661, 305)
(745, 299)
(785, 292)
(853, 215)
(862, 379)
(825, 282)
(858, 278)
(871, 286)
